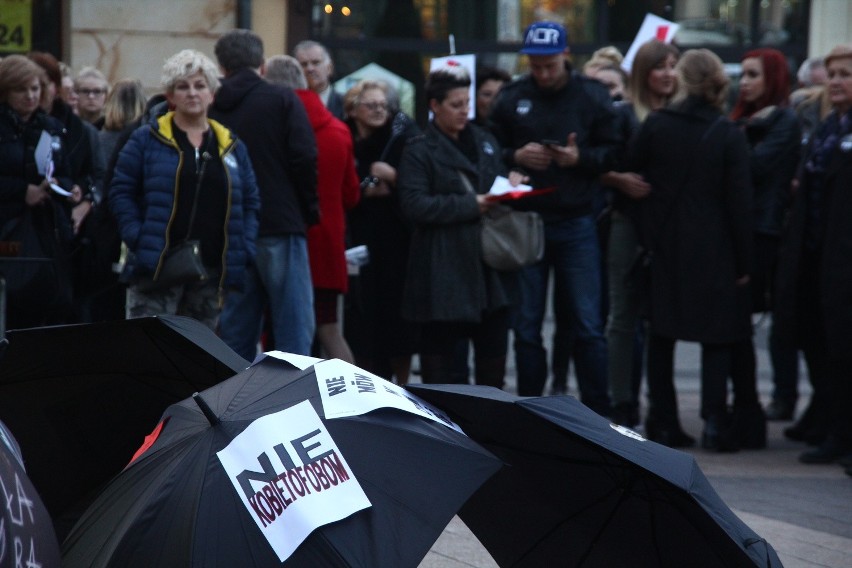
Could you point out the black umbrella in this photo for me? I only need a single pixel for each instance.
(80, 398)
(177, 505)
(26, 531)
(580, 491)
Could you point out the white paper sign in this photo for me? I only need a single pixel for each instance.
(44, 154)
(469, 63)
(653, 27)
(291, 476)
(502, 186)
(347, 390)
(301, 362)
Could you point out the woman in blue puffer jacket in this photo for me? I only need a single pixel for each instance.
(185, 177)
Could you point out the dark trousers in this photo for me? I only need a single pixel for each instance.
(439, 348)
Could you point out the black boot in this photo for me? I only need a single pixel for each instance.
(719, 434)
(749, 425)
(670, 435)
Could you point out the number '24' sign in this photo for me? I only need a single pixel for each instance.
(16, 23)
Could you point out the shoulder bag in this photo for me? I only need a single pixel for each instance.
(183, 264)
(510, 239)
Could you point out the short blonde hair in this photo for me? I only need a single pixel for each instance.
(90, 73)
(700, 73)
(186, 63)
(353, 95)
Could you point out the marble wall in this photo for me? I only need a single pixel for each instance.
(133, 39)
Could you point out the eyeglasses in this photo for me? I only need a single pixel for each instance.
(91, 92)
(374, 106)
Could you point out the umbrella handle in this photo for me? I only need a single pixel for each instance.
(205, 409)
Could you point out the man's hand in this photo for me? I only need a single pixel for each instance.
(533, 156)
(566, 156)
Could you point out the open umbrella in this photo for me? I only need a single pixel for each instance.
(26, 531)
(279, 464)
(580, 491)
(80, 398)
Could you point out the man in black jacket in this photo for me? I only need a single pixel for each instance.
(272, 122)
(560, 127)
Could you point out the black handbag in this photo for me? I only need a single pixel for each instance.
(35, 264)
(510, 239)
(182, 264)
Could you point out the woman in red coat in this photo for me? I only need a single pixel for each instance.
(337, 187)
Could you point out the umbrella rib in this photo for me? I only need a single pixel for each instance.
(565, 520)
(624, 492)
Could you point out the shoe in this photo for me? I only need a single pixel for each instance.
(749, 427)
(719, 435)
(779, 410)
(845, 461)
(828, 452)
(672, 437)
(625, 414)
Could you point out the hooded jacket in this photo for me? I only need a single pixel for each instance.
(143, 198)
(338, 192)
(272, 123)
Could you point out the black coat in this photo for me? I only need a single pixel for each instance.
(833, 261)
(274, 126)
(775, 139)
(525, 113)
(446, 278)
(696, 221)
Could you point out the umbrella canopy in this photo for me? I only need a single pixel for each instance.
(580, 491)
(80, 398)
(220, 484)
(26, 532)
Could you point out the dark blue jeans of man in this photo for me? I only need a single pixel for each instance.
(573, 253)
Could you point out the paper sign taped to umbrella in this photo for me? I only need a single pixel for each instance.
(291, 476)
(347, 390)
(301, 362)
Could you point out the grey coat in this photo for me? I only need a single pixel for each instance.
(446, 279)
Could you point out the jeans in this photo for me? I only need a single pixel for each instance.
(281, 280)
(573, 252)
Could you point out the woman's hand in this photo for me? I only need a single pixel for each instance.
(383, 171)
(76, 194)
(484, 202)
(378, 189)
(516, 178)
(630, 184)
(37, 194)
(79, 214)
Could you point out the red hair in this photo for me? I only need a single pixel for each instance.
(776, 81)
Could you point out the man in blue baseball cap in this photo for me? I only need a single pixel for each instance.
(560, 128)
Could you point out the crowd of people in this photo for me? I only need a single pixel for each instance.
(674, 211)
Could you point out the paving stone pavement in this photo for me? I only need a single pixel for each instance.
(804, 511)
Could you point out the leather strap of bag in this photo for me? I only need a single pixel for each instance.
(204, 157)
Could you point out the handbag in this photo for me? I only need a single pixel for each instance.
(510, 239)
(182, 264)
(35, 264)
